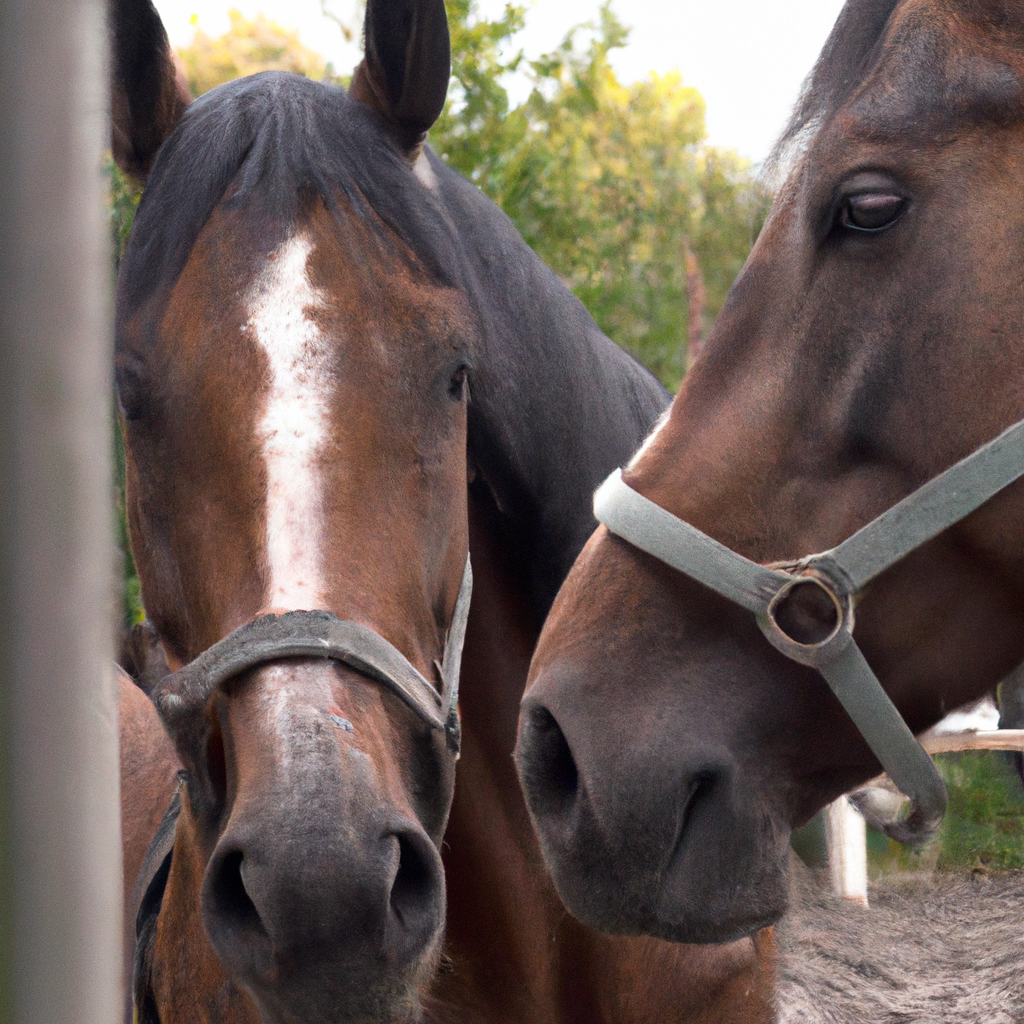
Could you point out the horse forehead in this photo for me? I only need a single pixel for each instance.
(937, 70)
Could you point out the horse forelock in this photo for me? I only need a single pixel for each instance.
(273, 143)
(900, 66)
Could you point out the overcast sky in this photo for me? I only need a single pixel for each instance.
(747, 57)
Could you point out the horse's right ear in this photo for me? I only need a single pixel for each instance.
(148, 89)
(404, 73)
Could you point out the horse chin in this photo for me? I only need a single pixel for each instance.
(712, 897)
(336, 1000)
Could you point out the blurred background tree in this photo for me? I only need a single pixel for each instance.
(248, 47)
(613, 185)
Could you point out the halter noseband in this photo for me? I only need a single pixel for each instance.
(321, 634)
(842, 573)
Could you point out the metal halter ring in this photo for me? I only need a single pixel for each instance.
(814, 653)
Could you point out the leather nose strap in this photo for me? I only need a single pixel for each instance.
(321, 634)
(630, 515)
(844, 571)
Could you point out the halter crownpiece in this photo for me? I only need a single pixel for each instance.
(321, 634)
(841, 573)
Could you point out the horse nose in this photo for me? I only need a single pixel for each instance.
(633, 830)
(546, 764)
(277, 904)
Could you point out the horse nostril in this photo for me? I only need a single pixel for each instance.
(549, 771)
(417, 895)
(226, 895)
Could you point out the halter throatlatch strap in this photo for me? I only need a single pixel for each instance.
(841, 573)
(321, 634)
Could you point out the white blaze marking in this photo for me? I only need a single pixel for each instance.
(293, 428)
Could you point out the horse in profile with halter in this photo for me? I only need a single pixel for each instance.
(343, 379)
(699, 688)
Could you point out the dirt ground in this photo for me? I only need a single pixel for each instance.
(931, 949)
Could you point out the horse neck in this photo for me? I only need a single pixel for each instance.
(554, 405)
(513, 954)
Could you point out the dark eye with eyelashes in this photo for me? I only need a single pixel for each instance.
(871, 212)
(132, 388)
(457, 384)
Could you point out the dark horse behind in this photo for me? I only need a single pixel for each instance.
(339, 369)
(874, 338)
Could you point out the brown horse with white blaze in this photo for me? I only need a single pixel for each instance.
(874, 338)
(340, 369)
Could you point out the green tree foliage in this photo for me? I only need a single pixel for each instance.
(477, 130)
(613, 185)
(247, 47)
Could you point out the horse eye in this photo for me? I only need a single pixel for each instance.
(872, 211)
(457, 385)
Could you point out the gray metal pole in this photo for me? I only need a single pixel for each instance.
(60, 885)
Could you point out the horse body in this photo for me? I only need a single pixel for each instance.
(323, 334)
(874, 338)
(149, 768)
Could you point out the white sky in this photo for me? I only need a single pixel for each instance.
(746, 57)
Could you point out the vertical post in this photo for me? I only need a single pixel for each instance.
(847, 845)
(59, 821)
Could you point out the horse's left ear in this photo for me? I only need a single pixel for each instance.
(148, 91)
(404, 73)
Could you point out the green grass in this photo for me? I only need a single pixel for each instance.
(983, 829)
(984, 825)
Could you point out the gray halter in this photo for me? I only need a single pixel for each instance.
(842, 573)
(321, 634)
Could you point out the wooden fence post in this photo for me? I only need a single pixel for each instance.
(60, 860)
(847, 851)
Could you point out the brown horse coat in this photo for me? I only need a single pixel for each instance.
(327, 342)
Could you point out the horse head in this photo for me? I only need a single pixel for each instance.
(874, 338)
(292, 349)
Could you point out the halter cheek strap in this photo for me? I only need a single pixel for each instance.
(841, 573)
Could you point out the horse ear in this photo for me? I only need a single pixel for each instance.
(148, 88)
(404, 73)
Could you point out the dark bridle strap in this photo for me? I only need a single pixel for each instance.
(842, 571)
(321, 634)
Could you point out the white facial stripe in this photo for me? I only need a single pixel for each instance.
(293, 428)
(662, 420)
